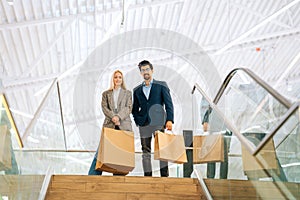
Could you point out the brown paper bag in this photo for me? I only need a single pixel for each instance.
(208, 148)
(5, 149)
(265, 159)
(169, 147)
(116, 153)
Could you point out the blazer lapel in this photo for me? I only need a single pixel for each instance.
(142, 92)
(120, 97)
(111, 99)
(152, 88)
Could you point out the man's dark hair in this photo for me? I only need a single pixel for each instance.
(144, 63)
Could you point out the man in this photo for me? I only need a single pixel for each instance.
(152, 110)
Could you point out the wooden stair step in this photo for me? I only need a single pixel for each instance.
(122, 187)
(133, 179)
(119, 196)
(143, 188)
(124, 184)
(128, 187)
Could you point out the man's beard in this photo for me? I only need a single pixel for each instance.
(146, 77)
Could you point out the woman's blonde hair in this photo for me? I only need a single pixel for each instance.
(112, 85)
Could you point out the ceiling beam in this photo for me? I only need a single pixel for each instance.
(34, 64)
(258, 39)
(287, 70)
(36, 22)
(256, 27)
(257, 14)
(79, 15)
(7, 10)
(12, 84)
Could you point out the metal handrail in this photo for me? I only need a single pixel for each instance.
(287, 115)
(258, 80)
(291, 110)
(291, 107)
(227, 123)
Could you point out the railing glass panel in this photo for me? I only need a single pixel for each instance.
(287, 144)
(250, 108)
(265, 141)
(276, 162)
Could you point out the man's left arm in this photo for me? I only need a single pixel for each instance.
(168, 103)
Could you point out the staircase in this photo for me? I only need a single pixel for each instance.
(122, 188)
(28, 187)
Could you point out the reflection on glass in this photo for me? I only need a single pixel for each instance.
(287, 144)
(8, 162)
(250, 108)
(47, 131)
(212, 140)
(252, 112)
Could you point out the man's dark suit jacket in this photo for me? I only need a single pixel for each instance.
(152, 111)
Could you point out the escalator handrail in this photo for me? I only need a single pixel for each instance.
(262, 83)
(258, 80)
(227, 123)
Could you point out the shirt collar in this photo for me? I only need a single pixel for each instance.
(144, 84)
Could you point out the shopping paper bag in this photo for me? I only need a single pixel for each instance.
(116, 152)
(169, 147)
(208, 148)
(265, 159)
(5, 148)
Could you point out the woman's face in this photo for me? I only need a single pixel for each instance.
(118, 79)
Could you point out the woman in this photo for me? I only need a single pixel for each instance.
(116, 105)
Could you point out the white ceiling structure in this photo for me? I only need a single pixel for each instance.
(45, 44)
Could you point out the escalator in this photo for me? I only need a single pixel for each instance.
(265, 140)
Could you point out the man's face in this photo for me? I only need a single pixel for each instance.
(146, 72)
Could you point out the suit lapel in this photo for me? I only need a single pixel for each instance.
(111, 99)
(121, 96)
(152, 89)
(142, 92)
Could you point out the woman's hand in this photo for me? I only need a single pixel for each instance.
(116, 120)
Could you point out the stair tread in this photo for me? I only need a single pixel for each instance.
(132, 179)
(129, 187)
(124, 184)
(53, 195)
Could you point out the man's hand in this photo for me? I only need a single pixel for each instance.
(205, 126)
(169, 125)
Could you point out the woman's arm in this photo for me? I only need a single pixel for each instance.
(107, 111)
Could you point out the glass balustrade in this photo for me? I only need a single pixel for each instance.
(260, 134)
(264, 145)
